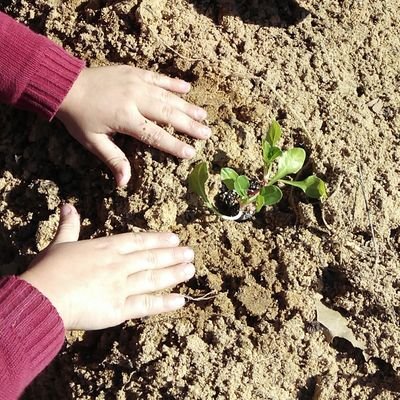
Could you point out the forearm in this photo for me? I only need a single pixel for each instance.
(35, 73)
(31, 334)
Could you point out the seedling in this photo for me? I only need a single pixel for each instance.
(240, 198)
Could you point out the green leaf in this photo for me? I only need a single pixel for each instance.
(266, 147)
(290, 162)
(259, 203)
(270, 153)
(274, 133)
(271, 195)
(312, 186)
(274, 153)
(242, 185)
(268, 196)
(228, 177)
(197, 181)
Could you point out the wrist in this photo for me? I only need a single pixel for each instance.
(73, 99)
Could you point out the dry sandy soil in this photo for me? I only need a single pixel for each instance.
(329, 72)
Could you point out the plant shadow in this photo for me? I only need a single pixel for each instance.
(278, 13)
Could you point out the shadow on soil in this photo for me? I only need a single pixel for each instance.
(39, 161)
(90, 353)
(279, 13)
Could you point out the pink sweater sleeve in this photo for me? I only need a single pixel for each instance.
(35, 73)
(31, 334)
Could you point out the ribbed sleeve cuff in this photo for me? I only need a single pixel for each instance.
(57, 71)
(31, 334)
(35, 73)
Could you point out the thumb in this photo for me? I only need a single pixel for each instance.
(69, 226)
(113, 157)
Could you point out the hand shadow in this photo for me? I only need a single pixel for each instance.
(279, 13)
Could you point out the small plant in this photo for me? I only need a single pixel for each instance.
(240, 198)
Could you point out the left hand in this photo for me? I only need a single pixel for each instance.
(99, 283)
(126, 99)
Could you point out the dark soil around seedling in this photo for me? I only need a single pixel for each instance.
(227, 201)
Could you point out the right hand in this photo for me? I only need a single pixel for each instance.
(130, 100)
(99, 283)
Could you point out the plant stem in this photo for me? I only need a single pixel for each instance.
(214, 209)
(267, 173)
(252, 199)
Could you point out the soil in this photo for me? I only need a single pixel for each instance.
(329, 72)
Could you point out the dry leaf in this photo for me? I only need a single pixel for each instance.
(376, 105)
(335, 323)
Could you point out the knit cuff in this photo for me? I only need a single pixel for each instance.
(54, 77)
(31, 332)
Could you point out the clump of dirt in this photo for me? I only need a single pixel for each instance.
(329, 74)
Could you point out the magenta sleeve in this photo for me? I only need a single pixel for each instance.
(31, 334)
(35, 73)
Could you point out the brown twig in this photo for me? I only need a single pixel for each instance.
(211, 295)
(327, 226)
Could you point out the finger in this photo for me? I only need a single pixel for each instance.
(163, 81)
(130, 242)
(153, 135)
(145, 305)
(177, 102)
(69, 226)
(157, 258)
(105, 149)
(153, 280)
(167, 114)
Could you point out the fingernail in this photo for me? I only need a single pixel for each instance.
(185, 85)
(174, 239)
(189, 270)
(119, 179)
(206, 131)
(201, 114)
(66, 209)
(189, 152)
(188, 254)
(176, 301)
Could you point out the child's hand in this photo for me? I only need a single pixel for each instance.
(126, 99)
(100, 283)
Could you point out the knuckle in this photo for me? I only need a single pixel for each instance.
(131, 74)
(151, 259)
(152, 136)
(114, 274)
(154, 78)
(124, 113)
(129, 93)
(138, 240)
(193, 125)
(126, 69)
(167, 112)
(166, 96)
(115, 162)
(153, 279)
(103, 244)
(148, 304)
